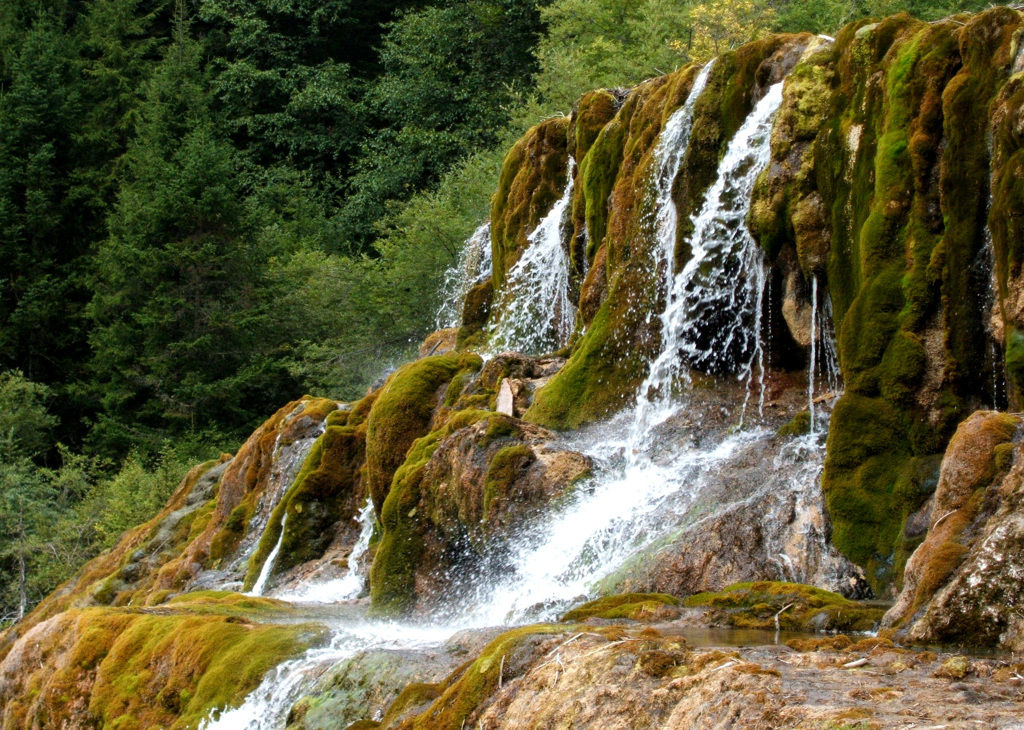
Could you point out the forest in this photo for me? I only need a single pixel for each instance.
(211, 207)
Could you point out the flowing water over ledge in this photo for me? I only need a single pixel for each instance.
(672, 465)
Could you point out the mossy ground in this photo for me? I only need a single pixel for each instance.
(169, 668)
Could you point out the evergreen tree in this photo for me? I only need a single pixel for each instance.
(181, 311)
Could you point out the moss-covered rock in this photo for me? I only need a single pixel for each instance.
(633, 606)
(787, 606)
(403, 412)
(460, 490)
(140, 669)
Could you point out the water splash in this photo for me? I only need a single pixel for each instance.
(712, 321)
(537, 314)
(267, 707)
(268, 564)
(352, 583)
(473, 267)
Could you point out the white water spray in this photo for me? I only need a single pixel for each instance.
(268, 564)
(537, 314)
(352, 583)
(713, 317)
(473, 267)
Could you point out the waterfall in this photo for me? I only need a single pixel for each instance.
(713, 315)
(811, 371)
(268, 564)
(537, 314)
(642, 489)
(636, 494)
(474, 266)
(349, 585)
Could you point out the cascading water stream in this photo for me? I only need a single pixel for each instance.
(349, 585)
(812, 369)
(639, 492)
(473, 267)
(712, 319)
(537, 314)
(268, 564)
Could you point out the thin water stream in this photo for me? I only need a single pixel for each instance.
(536, 314)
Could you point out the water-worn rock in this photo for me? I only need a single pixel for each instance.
(462, 491)
(964, 582)
(622, 678)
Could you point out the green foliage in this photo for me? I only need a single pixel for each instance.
(451, 72)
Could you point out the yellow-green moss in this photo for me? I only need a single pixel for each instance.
(635, 606)
(402, 413)
(798, 426)
(171, 668)
(797, 607)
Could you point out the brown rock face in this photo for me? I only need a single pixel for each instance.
(480, 483)
(964, 581)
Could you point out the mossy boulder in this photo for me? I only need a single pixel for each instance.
(402, 413)
(787, 606)
(632, 606)
(462, 489)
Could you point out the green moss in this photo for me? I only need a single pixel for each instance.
(798, 608)
(798, 426)
(506, 466)
(635, 606)
(393, 572)
(402, 413)
(413, 697)
(902, 367)
(867, 446)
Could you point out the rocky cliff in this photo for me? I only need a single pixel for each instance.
(790, 277)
